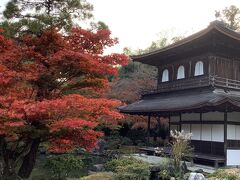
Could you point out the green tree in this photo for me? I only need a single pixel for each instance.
(137, 78)
(34, 16)
(48, 58)
(164, 39)
(230, 16)
(61, 166)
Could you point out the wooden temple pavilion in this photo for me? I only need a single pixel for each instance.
(198, 90)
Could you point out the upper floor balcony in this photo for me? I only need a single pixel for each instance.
(197, 82)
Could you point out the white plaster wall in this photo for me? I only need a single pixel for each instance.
(209, 132)
(191, 117)
(206, 132)
(233, 157)
(213, 116)
(196, 131)
(233, 116)
(218, 133)
(237, 132)
(231, 132)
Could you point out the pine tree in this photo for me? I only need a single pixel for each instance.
(34, 16)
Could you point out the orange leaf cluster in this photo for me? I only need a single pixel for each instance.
(40, 81)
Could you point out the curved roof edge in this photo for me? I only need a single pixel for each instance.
(218, 25)
(172, 102)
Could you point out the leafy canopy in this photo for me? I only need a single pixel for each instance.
(51, 89)
(230, 16)
(53, 77)
(36, 78)
(34, 16)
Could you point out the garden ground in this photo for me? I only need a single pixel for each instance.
(41, 173)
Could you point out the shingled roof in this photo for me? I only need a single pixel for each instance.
(150, 58)
(184, 101)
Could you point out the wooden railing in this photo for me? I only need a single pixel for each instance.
(226, 83)
(184, 83)
(199, 81)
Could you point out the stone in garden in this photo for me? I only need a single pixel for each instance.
(196, 176)
(91, 172)
(184, 167)
(199, 171)
(98, 167)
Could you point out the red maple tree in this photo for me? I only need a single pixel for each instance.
(51, 89)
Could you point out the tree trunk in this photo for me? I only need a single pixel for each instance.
(9, 174)
(29, 160)
(9, 171)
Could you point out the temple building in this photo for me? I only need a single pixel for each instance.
(199, 91)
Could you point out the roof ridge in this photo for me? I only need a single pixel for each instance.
(219, 25)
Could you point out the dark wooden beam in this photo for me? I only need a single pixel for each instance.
(233, 144)
(225, 133)
(159, 125)
(169, 125)
(180, 122)
(201, 121)
(206, 122)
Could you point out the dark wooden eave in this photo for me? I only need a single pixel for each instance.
(209, 40)
(196, 100)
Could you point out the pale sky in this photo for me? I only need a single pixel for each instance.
(137, 22)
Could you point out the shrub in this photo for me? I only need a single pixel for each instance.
(138, 136)
(129, 168)
(60, 166)
(165, 173)
(133, 171)
(115, 141)
(225, 174)
(181, 150)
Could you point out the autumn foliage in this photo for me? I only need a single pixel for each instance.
(51, 89)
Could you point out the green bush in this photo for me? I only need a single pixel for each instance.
(138, 136)
(165, 172)
(181, 150)
(129, 168)
(61, 166)
(225, 174)
(115, 141)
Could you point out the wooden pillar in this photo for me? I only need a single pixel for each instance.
(169, 125)
(190, 69)
(148, 129)
(225, 134)
(201, 126)
(159, 126)
(180, 122)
